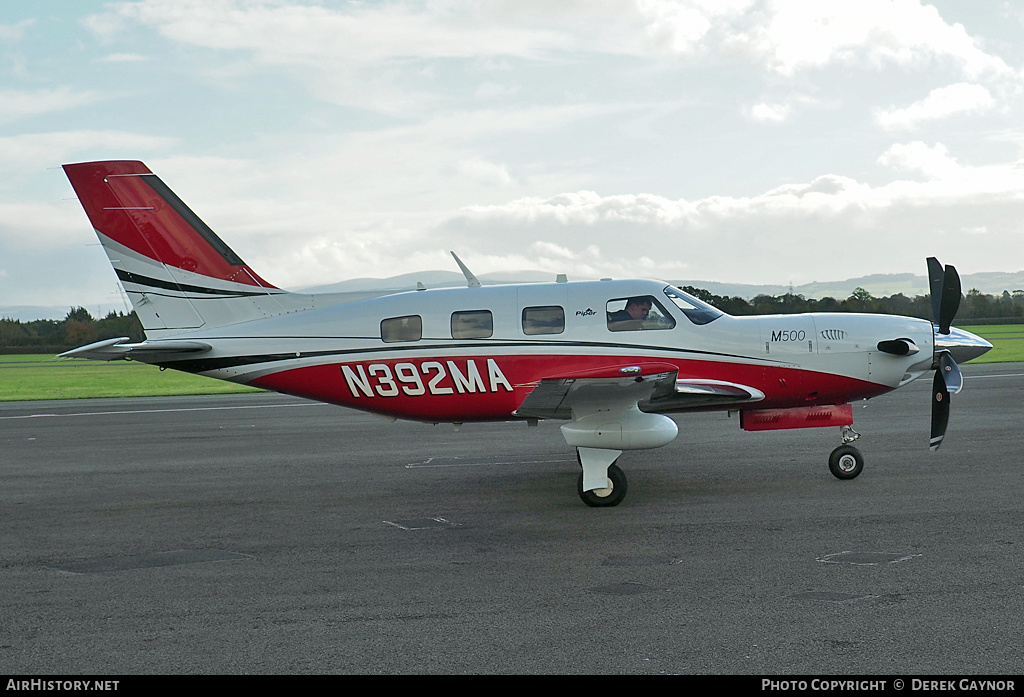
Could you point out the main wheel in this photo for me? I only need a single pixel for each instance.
(846, 462)
(611, 496)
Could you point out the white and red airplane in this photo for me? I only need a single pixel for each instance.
(608, 358)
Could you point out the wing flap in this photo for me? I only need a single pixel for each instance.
(555, 398)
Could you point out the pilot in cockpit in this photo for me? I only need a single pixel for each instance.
(632, 316)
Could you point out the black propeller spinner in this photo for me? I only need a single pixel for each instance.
(945, 292)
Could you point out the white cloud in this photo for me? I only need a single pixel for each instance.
(494, 90)
(483, 171)
(770, 112)
(675, 26)
(41, 226)
(547, 248)
(372, 55)
(357, 55)
(49, 149)
(15, 32)
(123, 58)
(309, 193)
(796, 35)
(18, 104)
(934, 161)
(941, 102)
(967, 208)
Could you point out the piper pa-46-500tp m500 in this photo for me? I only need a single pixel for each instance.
(609, 359)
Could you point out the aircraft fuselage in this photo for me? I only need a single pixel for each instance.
(472, 354)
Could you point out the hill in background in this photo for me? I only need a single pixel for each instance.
(879, 285)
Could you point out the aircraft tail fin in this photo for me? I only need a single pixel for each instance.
(179, 275)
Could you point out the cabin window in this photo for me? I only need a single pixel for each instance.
(472, 324)
(637, 313)
(408, 328)
(543, 320)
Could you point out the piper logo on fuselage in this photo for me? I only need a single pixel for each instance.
(426, 377)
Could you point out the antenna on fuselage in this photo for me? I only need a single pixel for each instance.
(471, 280)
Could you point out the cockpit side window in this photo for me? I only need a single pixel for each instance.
(697, 311)
(640, 312)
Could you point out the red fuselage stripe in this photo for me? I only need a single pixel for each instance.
(486, 388)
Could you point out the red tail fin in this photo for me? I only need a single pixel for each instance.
(178, 274)
(129, 204)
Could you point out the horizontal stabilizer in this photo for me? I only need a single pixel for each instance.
(115, 349)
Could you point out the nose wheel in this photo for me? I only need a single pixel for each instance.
(846, 462)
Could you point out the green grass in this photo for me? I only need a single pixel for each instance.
(1007, 342)
(32, 376)
(24, 377)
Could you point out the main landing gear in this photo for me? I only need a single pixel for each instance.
(605, 496)
(846, 462)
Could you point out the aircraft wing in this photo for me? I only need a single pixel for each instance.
(652, 387)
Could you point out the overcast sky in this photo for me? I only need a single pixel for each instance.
(730, 140)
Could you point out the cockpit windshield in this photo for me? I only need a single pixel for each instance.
(696, 311)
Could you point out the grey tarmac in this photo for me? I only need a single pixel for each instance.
(265, 534)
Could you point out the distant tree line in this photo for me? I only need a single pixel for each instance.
(77, 329)
(80, 328)
(975, 308)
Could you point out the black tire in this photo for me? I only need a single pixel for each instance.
(602, 498)
(845, 462)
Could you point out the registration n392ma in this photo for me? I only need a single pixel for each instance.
(427, 377)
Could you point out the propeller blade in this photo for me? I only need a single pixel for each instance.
(936, 276)
(940, 410)
(944, 284)
(950, 371)
(950, 299)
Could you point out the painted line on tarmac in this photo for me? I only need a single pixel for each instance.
(162, 411)
(483, 461)
(998, 375)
